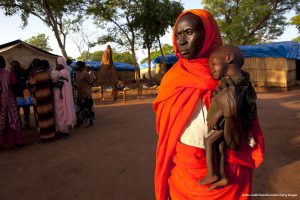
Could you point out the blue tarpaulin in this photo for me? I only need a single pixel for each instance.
(120, 66)
(170, 59)
(289, 50)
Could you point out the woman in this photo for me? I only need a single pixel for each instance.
(40, 84)
(84, 82)
(10, 130)
(65, 116)
(181, 108)
(22, 76)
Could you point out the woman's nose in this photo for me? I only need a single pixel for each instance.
(182, 40)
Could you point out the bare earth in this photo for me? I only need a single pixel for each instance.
(115, 159)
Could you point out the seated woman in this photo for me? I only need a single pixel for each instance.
(10, 126)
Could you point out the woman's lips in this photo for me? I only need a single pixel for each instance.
(184, 52)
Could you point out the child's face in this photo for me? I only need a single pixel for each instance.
(217, 65)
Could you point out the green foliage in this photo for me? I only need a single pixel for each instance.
(250, 21)
(97, 56)
(297, 39)
(117, 17)
(59, 15)
(40, 41)
(167, 49)
(296, 21)
(123, 57)
(86, 56)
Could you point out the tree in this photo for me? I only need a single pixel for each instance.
(123, 57)
(148, 20)
(154, 22)
(82, 38)
(59, 15)
(296, 21)
(40, 41)
(118, 17)
(166, 48)
(250, 21)
(87, 56)
(173, 9)
(97, 55)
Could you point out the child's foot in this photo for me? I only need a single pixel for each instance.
(208, 179)
(221, 183)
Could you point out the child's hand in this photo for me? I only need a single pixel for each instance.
(213, 122)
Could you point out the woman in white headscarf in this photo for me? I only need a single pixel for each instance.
(65, 115)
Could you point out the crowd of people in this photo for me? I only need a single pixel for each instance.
(60, 99)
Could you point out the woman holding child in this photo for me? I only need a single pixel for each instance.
(65, 115)
(181, 108)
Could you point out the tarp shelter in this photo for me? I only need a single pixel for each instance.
(156, 64)
(125, 71)
(120, 66)
(272, 65)
(25, 53)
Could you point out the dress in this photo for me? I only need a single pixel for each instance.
(65, 115)
(40, 84)
(10, 129)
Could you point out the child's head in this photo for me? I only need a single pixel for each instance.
(222, 57)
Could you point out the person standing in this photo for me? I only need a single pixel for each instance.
(65, 116)
(84, 81)
(10, 126)
(40, 84)
(181, 110)
(22, 77)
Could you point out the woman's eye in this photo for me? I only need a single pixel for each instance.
(189, 32)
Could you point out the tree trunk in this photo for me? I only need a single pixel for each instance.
(54, 25)
(150, 83)
(136, 71)
(163, 69)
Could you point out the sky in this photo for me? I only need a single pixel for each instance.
(11, 30)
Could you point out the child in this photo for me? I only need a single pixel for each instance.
(225, 65)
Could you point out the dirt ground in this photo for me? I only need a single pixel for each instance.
(115, 159)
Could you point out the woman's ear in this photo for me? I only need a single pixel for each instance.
(229, 58)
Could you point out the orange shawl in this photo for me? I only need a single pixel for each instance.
(181, 88)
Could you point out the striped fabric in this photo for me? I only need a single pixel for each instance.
(41, 84)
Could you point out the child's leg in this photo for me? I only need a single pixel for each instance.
(209, 142)
(223, 181)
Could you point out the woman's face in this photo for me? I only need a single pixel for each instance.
(190, 36)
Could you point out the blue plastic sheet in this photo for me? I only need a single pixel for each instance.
(289, 50)
(96, 65)
(170, 59)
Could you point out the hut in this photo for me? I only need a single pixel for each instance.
(25, 53)
(273, 65)
(156, 64)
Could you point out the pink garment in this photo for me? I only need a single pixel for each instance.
(65, 114)
(10, 126)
